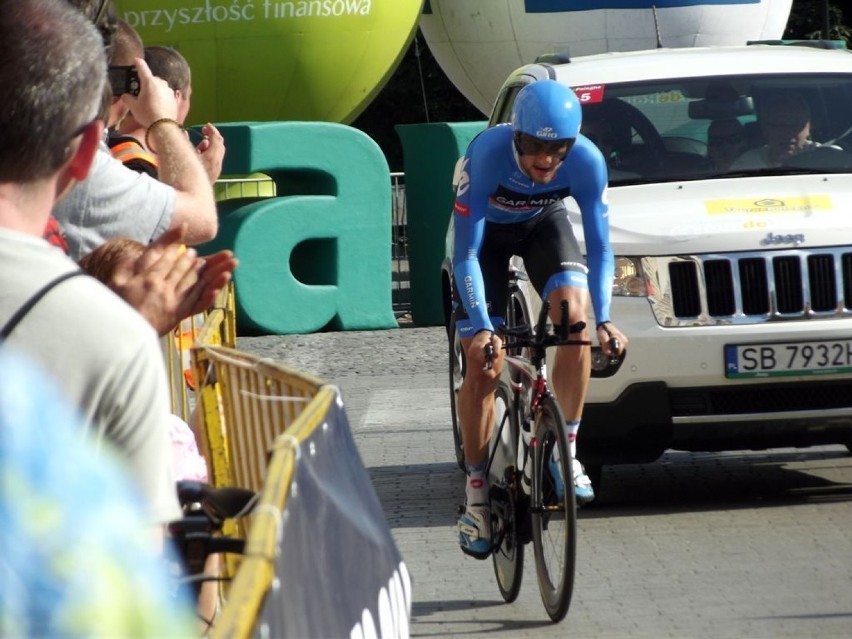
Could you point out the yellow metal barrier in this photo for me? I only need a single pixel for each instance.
(247, 402)
(257, 569)
(255, 185)
(176, 346)
(256, 414)
(217, 325)
(244, 404)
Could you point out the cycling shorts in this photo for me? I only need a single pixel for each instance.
(551, 254)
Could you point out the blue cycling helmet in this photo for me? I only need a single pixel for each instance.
(547, 110)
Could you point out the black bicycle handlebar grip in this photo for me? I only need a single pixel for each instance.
(614, 347)
(488, 352)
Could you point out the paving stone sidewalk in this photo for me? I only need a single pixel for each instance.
(715, 545)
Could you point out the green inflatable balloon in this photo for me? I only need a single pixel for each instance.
(266, 60)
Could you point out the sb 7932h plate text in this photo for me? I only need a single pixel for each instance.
(789, 358)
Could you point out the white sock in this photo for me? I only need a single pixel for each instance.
(571, 429)
(476, 489)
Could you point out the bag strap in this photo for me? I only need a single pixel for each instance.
(33, 300)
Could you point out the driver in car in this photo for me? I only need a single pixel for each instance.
(784, 118)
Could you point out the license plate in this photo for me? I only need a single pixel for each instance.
(828, 357)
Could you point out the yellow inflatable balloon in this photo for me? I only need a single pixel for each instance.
(259, 60)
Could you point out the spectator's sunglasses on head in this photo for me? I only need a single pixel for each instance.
(528, 145)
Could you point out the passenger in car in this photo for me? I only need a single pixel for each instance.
(725, 142)
(785, 122)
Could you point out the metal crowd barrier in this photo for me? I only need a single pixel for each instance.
(266, 426)
(254, 185)
(247, 403)
(244, 403)
(250, 584)
(252, 413)
(401, 289)
(176, 347)
(217, 325)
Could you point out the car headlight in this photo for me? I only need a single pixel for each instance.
(629, 280)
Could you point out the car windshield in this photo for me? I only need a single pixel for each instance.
(720, 126)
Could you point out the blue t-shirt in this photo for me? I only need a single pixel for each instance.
(493, 188)
(77, 557)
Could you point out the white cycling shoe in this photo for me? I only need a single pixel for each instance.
(583, 491)
(475, 531)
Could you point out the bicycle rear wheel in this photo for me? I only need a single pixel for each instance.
(554, 517)
(457, 370)
(508, 553)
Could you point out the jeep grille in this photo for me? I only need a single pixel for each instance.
(751, 287)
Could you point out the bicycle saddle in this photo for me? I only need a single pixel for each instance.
(223, 503)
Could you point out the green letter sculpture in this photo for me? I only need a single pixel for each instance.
(318, 255)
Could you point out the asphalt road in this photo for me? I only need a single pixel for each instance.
(739, 544)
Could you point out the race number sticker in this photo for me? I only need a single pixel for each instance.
(591, 94)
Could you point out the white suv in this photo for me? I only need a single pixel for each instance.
(734, 285)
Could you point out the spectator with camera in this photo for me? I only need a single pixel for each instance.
(116, 201)
(167, 63)
(123, 78)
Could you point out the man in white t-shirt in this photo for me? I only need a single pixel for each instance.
(105, 356)
(114, 201)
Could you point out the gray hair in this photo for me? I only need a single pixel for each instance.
(52, 76)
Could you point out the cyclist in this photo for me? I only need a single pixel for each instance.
(512, 183)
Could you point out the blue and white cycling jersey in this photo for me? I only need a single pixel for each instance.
(492, 188)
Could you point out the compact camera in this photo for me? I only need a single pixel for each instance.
(124, 79)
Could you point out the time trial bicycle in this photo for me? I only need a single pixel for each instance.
(525, 504)
(530, 466)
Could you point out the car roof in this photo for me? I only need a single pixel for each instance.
(701, 61)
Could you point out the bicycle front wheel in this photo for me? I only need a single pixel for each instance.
(508, 553)
(554, 515)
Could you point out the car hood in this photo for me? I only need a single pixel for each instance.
(742, 214)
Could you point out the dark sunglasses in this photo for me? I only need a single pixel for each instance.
(528, 145)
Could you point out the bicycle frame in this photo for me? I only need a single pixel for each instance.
(527, 376)
(524, 497)
(527, 379)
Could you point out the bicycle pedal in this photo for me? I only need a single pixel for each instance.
(523, 520)
(477, 555)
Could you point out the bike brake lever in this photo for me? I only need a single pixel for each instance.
(615, 347)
